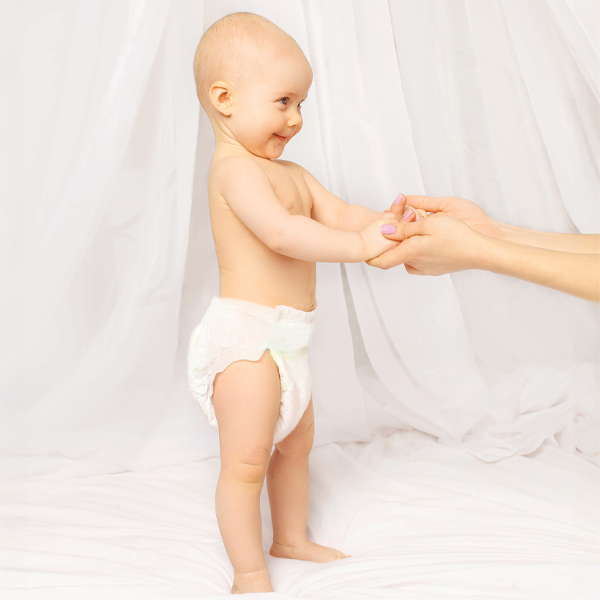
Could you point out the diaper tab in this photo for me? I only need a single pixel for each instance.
(292, 330)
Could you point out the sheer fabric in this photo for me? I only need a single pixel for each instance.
(108, 262)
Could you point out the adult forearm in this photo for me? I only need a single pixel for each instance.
(574, 273)
(307, 239)
(565, 242)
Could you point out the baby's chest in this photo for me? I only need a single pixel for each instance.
(293, 193)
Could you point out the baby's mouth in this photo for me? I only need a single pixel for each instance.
(283, 139)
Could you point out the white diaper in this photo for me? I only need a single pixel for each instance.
(234, 330)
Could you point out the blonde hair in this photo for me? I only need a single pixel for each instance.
(230, 46)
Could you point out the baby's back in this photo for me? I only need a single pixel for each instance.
(248, 269)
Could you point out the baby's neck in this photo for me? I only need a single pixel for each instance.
(226, 149)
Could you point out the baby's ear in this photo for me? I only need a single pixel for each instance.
(220, 97)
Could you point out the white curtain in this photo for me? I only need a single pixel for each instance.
(108, 261)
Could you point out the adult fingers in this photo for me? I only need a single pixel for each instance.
(409, 214)
(399, 206)
(411, 270)
(428, 203)
(389, 259)
(403, 230)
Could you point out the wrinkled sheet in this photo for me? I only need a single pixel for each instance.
(421, 520)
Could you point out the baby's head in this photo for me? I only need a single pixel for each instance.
(251, 77)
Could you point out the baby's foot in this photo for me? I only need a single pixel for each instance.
(307, 550)
(247, 583)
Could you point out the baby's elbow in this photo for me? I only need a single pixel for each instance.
(275, 240)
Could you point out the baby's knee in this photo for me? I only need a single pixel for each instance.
(248, 467)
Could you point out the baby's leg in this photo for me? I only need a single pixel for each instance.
(287, 483)
(246, 398)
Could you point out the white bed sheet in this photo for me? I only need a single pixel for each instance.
(420, 519)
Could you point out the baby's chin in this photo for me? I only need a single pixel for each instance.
(267, 150)
(267, 153)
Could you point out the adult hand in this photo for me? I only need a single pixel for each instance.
(459, 208)
(434, 245)
(441, 244)
(460, 235)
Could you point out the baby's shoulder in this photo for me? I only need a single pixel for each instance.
(227, 169)
(225, 165)
(244, 168)
(285, 170)
(288, 164)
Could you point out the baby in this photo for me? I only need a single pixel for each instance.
(271, 221)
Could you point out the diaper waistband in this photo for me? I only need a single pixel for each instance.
(281, 328)
(268, 312)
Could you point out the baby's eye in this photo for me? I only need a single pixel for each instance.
(283, 100)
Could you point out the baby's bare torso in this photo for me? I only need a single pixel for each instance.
(248, 269)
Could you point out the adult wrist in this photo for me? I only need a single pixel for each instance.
(508, 233)
(484, 251)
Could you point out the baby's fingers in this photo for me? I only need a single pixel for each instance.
(420, 213)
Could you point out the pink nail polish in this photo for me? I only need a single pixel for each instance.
(407, 215)
(399, 198)
(387, 228)
(420, 218)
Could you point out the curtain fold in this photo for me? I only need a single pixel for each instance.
(108, 260)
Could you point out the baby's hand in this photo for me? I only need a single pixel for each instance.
(374, 242)
(406, 213)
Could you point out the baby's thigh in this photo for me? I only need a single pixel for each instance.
(246, 398)
(300, 440)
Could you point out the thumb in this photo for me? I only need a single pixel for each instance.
(402, 230)
(399, 205)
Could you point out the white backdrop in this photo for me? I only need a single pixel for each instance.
(108, 262)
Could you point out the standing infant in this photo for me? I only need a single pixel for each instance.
(271, 221)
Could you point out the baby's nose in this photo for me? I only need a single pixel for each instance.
(295, 120)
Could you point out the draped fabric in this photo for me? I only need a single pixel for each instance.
(108, 261)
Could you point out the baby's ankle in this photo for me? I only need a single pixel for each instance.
(290, 540)
(252, 582)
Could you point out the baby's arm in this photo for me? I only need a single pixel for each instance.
(250, 195)
(334, 212)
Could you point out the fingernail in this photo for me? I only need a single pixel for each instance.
(407, 215)
(387, 228)
(419, 218)
(398, 198)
